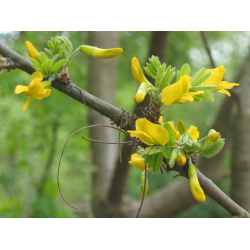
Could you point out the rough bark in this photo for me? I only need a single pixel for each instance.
(241, 142)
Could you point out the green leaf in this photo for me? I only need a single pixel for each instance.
(203, 88)
(185, 70)
(160, 75)
(202, 79)
(155, 161)
(207, 96)
(178, 75)
(169, 75)
(210, 149)
(167, 151)
(152, 151)
(154, 60)
(44, 57)
(150, 71)
(198, 75)
(170, 133)
(58, 66)
(48, 51)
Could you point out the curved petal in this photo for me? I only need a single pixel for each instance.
(21, 88)
(46, 93)
(193, 131)
(32, 50)
(196, 189)
(224, 92)
(37, 76)
(137, 161)
(145, 138)
(176, 133)
(26, 104)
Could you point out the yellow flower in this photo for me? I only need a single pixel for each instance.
(32, 50)
(213, 135)
(181, 159)
(193, 131)
(179, 92)
(35, 89)
(150, 133)
(196, 189)
(141, 93)
(137, 72)
(100, 53)
(216, 79)
(138, 161)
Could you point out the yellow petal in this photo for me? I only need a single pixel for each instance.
(216, 76)
(177, 92)
(32, 50)
(160, 119)
(26, 104)
(144, 137)
(37, 76)
(157, 132)
(176, 133)
(196, 189)
(181, 159)
(224, 92)
(20, 88)
(137, 72)
(45, 93)
(193, 131)
(137, 161)
(107, 53)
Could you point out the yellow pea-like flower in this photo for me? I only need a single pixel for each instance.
(150, 133)
(36, 89)
(196, 189)
(179, 92)
(141, 93)
(216, 79)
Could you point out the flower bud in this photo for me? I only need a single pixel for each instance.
(196, 189)
(213, 135)
(100, 53)
(141, 93)
(173, 158)
(160, 119)
(32, 50)
(137, 161)
(181, 159)
(137, 72)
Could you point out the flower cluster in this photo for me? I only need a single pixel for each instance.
(163, 144)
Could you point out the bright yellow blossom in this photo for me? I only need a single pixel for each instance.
(196, 189)
(141, 93)
(181, 159)
(100, 53)
(216, 79)
(32, 50)
(179, 92)
(35, 89)
(150, 133)
(138, 161)
(193, 131)
(137, 72)
(213, 135)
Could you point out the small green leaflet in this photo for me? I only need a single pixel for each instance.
(170, 133)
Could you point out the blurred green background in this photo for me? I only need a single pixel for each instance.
(32, 141)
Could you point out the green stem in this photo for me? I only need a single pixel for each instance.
(201, 140)
(71, 57)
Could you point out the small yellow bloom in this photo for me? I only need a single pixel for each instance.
(150, 133)
(196, 189)
(35, 89)
(32, 50)
(193, 131)
(181, 159)
(138, 161)
(137, 72)
(100, 53)
(141, 93)
(179, 92)
(216, 79)
(213, 135)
